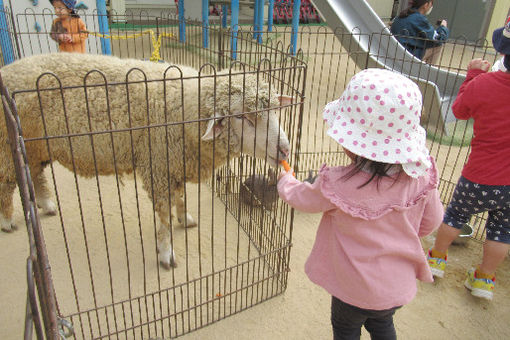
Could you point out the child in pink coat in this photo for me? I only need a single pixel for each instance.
(367, 252)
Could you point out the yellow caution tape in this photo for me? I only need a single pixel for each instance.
(156, 42)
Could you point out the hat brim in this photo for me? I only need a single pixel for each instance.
(500, 42)
(413, 154)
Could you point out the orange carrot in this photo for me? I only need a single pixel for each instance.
(286, 166)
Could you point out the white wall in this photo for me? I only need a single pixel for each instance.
(30, 42)
(146, 8)
(383, 8)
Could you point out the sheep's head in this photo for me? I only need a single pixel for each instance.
(253, 122)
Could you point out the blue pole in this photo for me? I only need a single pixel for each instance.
(256, 19)
(260, 18)
(182, 23)
(5, 38)
(205, 23)
(295, 25)
(224, 11)
(103, 26)
(234, 24)
(270, 14)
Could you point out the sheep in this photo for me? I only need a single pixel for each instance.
(130, 100)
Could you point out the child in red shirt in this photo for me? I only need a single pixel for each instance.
(68, 30)
(485, 181)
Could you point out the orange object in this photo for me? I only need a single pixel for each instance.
(75, 27)
(286, 166)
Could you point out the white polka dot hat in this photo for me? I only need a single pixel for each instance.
(378, 118)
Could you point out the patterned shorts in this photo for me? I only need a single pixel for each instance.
(471, 198)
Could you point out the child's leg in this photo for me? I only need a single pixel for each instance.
(497, 242)
(382, 327)
(457, 214)
(445, 236)
(346, 320)
(493, 255)
(432, 54)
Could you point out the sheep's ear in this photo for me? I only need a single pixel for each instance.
(285, 100)
(214, 128)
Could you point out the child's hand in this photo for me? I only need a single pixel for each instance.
(283, 173)
(479, 64)
(287, 169)
(68, 38)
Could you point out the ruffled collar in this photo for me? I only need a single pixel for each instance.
(373, 201)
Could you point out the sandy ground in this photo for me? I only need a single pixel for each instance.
(444, 309)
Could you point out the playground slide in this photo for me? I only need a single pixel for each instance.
(439, 86)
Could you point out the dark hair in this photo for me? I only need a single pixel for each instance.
(378, 170)
(413, 7)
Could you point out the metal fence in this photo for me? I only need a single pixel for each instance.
(238, 256)
(103, 249)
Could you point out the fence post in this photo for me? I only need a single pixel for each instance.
(270, 14)
(205, 23)
(182, 23)
(260, 20)
(103, 26)
(224, 13)
(295, 25)
(234, 24)
(5, 38)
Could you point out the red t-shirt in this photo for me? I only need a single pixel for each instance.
(485, 97)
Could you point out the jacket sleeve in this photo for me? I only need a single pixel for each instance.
(463, 107)
(433, 214)
(82, 33)
(442, 33)
(424, 28)
(303, 196)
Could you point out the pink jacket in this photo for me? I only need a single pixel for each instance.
(367, 250)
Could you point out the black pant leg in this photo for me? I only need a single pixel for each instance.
(346, 320)
(381, 327)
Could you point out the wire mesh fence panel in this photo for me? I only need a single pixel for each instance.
(121, 148)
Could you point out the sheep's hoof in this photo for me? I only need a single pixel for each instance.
(50, 212)
(167, 261)
(168, 266)
(48, 207)
(12, 227)
(190, 222)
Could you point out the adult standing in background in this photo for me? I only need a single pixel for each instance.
(413, 30)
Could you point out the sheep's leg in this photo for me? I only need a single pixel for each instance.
(6, 192)
(42, 195)
(166, 255)
(183, 216)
